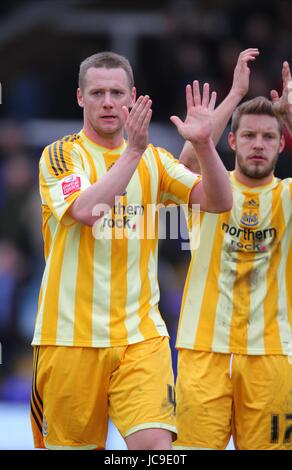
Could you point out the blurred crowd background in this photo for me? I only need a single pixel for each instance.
(169, 43)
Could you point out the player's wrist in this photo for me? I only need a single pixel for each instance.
(203, 144)
(236, 95)
(134, 153)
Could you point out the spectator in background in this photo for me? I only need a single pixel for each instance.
(20, 254)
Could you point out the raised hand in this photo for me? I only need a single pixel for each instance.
(137, 124)
(241, 72)
(283, 104)
(198, 125)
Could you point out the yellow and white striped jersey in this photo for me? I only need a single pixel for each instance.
(101, 291)
(238, 293)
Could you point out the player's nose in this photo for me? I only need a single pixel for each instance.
(107, 100)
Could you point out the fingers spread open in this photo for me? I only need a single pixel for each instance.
(206, 92)
(189, 97)
(286, 74)
(196, 92)
(176, 121)
(212, 102)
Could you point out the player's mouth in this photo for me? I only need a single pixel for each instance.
(108, 118)
(257, 158)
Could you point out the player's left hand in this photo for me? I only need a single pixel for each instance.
(283, 104)
(198, 125)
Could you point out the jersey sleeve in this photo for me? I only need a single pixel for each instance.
(62, 178)
(177, 181)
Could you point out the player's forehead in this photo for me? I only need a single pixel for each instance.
(101, 77)
(258, 123)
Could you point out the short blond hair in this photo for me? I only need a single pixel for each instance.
(107, 60)
(259, 106)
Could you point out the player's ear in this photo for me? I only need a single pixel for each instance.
(282, 143)
(80, 98)
(231, 140)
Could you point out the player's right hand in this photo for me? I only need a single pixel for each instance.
(241, 73)
(198, 124)
(137, 124)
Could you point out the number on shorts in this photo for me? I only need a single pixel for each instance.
(288, 432)
(275, 429)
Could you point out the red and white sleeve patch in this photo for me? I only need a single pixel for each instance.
(70, 185)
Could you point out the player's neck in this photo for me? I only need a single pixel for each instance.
(252, 182)
(105, 140)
